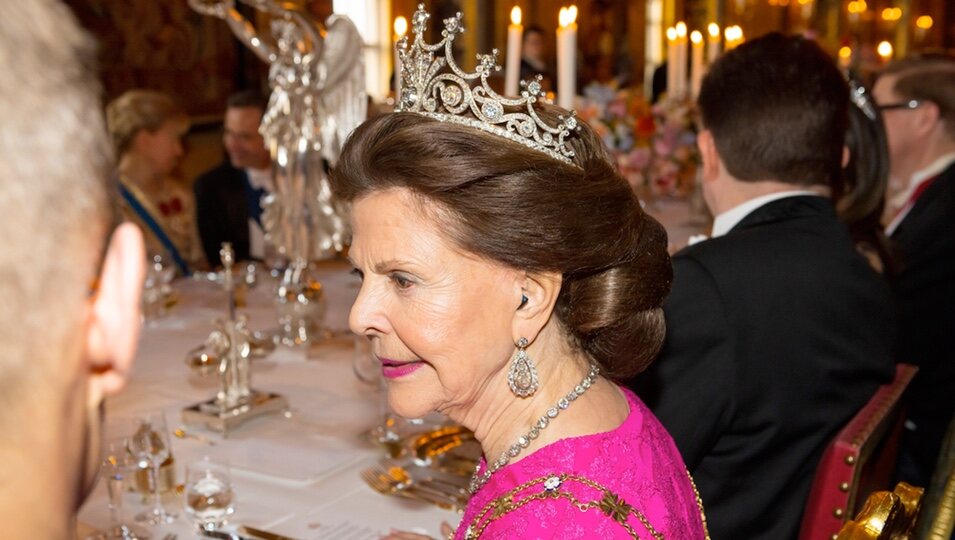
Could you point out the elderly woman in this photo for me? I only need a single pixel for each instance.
(147, 128)
(510, 284)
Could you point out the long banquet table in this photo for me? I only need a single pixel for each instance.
(295, 474)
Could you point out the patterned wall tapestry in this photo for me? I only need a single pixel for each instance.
(164, 45)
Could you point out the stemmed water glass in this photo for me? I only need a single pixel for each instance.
(156, 287)
(209, 495)
(367, 369)
(149, 446)
(118, 466)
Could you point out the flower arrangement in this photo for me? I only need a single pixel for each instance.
(654, 147)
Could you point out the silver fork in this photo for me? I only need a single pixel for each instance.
(445, 481)
(423, 481)
(384, 483)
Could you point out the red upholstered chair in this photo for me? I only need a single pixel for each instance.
(858, 461)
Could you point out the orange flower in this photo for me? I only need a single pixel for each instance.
(645, 127)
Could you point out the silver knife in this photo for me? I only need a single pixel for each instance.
(223, 535)
(264, 535)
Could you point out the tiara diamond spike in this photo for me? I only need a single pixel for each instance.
(433, 85)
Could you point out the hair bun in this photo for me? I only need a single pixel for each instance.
(616, 314)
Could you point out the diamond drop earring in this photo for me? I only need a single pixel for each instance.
(522, 377)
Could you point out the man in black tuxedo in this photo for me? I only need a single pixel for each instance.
(917, 99)
(228, 197)
(778, 331)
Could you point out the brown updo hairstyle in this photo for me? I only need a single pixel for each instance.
(517, 206)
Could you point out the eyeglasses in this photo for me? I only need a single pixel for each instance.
(910, 104)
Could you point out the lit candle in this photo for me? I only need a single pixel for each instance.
(515, 32)
(567, 57)
(806, 9)
(671, 61)
(885, 51)
(681, 60)
(845, 57)
(855, 8)
(733, 36)
(922, 25)
(713, 44)
(696, 66)
(401, 28)
(891, 15)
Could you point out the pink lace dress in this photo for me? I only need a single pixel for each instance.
(626, 483)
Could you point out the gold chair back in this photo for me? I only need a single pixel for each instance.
(886, 515)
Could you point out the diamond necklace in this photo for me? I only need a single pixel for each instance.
(478, 480)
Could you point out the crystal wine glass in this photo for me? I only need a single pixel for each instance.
(149, 446)
(368, 370)
(118, 466)
(209, 496)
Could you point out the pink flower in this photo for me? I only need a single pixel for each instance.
(617, 109)
(589, 113)
(639, 158)
(662, 147)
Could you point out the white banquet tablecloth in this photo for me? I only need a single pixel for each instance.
(295, 475)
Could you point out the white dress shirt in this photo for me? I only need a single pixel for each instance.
(724, 222)
(259, 179)
(902, 202)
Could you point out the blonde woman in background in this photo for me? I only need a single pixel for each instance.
(147, 128)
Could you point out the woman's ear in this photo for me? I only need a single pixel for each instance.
(112, 330)
(539, 291)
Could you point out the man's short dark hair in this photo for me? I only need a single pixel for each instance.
(247, 98)
(777, 108)
(533, 29)
(927, 77)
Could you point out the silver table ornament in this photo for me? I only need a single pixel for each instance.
(317, 81)
(236, 402)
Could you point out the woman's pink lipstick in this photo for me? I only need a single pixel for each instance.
(393, 369)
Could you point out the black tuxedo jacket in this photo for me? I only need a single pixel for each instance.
(925, 246)
(222, 211)
(777, 334)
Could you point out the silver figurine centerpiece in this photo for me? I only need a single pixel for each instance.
(236, 402)
(318, 96)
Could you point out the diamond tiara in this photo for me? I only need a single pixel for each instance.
(447, 95)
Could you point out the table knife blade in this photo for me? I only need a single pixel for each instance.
(264, 535)
(223, 535)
